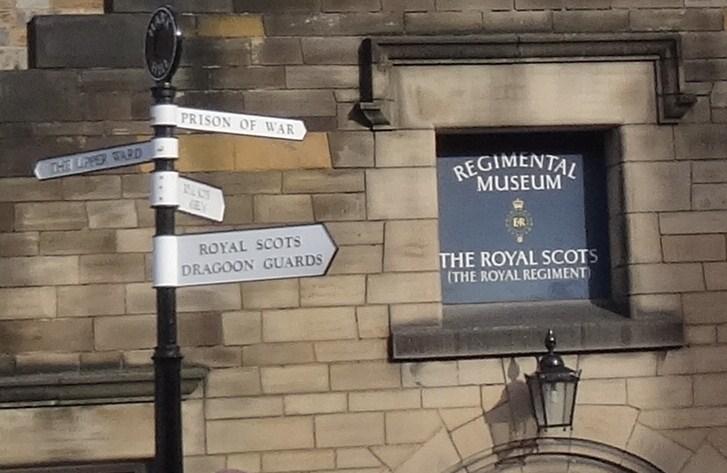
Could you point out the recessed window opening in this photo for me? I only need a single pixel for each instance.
(523, 217)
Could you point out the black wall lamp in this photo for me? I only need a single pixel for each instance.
(553, 389)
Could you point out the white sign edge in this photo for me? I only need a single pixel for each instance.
(232, 281)
(146, 159)
(233, 115)
(200, 214)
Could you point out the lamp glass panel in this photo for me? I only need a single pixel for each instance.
(537, 399)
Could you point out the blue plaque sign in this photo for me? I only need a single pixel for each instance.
(522, 223)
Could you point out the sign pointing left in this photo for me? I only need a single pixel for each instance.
(96, 160)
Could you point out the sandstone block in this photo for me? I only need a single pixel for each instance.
(91, 187)
(617, 365)
(443, 22)
(517, 21)
(691, 19)
(472, 438)
(234, 183)
(642, 234)
(77, 242)
(66, 335)
(112, 214)
(27, 302)
(415, 314)
(417, 197)
(405, 148)
(674, 277)
(229, 26)
(134, 240)
(337, 207)
(653, 446)
(411, 245)
(108, 268)
(276, 51)
(324, 51)
(373, 321)
(209, 298)
(249, 462)
(39, 271)
(438, 373)
(715, 275)
(332, 290)
(248, 77)
(139, 332)
(709, 171)
(357, 260)
(387, 288)
(50, 216)
(466, 396)
(700, 142)
(19, 244)
(323, 181)
(295, 379)
(29, 189)
(646, 184)
(278, 433)
(293, 103)
(271, 294)
(384, 400)
(709, 196)
(321, 77)
(707, 458)
(411, 426)
(267, 354)
(213, 357)
(301, 460)
(349, 430)
(243, 407)
(283, 208)
(351, 149)
(333, 24)
(230, 382)
(700, 335)
(693, 222)
(356, 233)
(602, 391)
(332, 323)
(315, 403)
(364, 375)
(480, 371)
(705, 307)
(590, 21)
(91, 300)
(709, 389)
(351, 350)
(647, 143)
(356, 458)
(241, 327)
(690, 360)
(693, 248)
(659, 392)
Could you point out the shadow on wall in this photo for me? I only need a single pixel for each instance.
(511, 419)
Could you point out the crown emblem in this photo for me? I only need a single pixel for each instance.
(519, 222)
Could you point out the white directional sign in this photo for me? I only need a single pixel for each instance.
(224, 122)
(200, 199)
(247, 255)
(96, 160)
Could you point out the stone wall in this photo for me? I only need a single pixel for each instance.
(300, 378)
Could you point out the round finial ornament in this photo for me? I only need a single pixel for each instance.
(163, 44)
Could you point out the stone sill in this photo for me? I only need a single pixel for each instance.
(519, 329)
(71, 388)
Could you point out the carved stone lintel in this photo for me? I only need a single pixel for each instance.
(382, 55)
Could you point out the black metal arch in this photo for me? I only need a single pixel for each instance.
(571, 452)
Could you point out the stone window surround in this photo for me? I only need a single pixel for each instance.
(511, 329)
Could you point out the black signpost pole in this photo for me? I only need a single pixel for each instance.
(162, 51)
(167, 355)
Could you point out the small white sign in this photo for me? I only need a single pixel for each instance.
(247, 255)
(96, 160)
(202, 200)
(239, 124)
